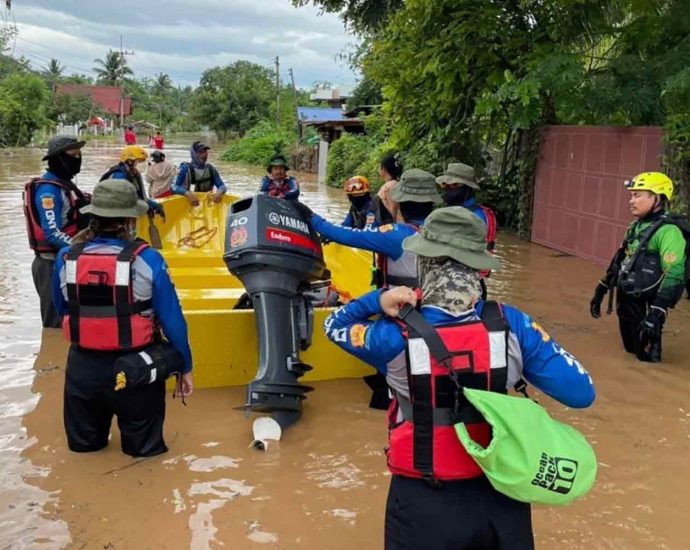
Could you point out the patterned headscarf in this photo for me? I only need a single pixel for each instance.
(448, 284)
(196, 161)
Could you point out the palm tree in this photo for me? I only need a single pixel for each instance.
(113, 69)
(54, 69)
(162, 84)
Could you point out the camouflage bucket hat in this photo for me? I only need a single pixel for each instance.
(60, 144)
(454, 232)
(416, 186)
(115, 199)
(457, 172)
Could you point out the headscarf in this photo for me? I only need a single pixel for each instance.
(196, 161)
(448, 284)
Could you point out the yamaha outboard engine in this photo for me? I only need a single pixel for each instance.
(275, 254)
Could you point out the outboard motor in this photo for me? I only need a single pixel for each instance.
(275, 254)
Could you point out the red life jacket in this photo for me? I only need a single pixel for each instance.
(103, 314)
(424, 443)
(37, 238)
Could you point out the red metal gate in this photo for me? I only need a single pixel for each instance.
(580, 204)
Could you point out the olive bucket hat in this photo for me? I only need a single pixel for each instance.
(455, 232)
(278, 160)
(416, 186)
(457, 172)
(115, 199)
(60, 144)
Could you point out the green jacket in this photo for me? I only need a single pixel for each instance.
(669, 243)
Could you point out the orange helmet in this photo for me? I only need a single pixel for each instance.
(357, 186)
(133, 152)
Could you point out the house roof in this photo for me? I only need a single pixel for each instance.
(107, 97)
(319, 114)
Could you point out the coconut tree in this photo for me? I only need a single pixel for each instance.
(113, 69)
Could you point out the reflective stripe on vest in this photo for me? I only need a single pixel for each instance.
(103, 314)
(37, 238)
(424, 443)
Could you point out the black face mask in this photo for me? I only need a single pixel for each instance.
(359, 202)
(64, 166)
(415, 211)
(456, 196)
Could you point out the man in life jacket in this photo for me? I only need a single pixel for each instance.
(649, 269)
(365, 210)
(127, 169)
(51, 208)
(277, 183)
(416, 196)
(458, 185)
(116, 295)
(438, 496)
(198, 176)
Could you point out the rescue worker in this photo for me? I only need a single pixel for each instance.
(127, 169)
(115, 293)
(438, 496)
(51, 207)
(390, 170)
(416, 196)
(365, 210)
(159, 175)
(649, 269)
(458, 185)
(199, 176)
(277, 183)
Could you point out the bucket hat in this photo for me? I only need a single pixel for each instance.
(416, 186)
(114, 198)
(60, 144)
(455, 232)
(457, 172)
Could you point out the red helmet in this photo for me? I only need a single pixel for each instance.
(357, 186)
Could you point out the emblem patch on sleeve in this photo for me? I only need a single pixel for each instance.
(48, 203)
(358, 335)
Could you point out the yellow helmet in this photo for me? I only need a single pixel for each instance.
(133, 152)
(655, 182)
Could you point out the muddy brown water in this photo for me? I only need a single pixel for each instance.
(324, 485)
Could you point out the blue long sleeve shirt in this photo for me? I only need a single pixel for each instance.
(52, 206)
(384, 239)
(476, 209)
(182, 184)
(533, 354)
(150, 281)
(288, 190)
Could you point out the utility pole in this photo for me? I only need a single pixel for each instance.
(277, 61)
(294, 94)
(120, 78)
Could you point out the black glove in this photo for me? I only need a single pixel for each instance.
(303, 210)
(651, 325)
(158, 209)
(595, 305)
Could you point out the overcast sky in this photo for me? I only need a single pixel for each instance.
(184, 37)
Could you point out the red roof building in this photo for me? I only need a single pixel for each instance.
(107, 97)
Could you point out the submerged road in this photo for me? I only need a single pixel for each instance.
(324, 485)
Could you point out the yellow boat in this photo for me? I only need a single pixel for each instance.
(223, 340)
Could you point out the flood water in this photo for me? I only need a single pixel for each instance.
(324, 485)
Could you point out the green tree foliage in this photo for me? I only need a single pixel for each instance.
(259, 144)
(72, 109)
(234, 98)
(113, 69)
(367, 92)
(345, 157)
(23, 98)
(363, 16)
